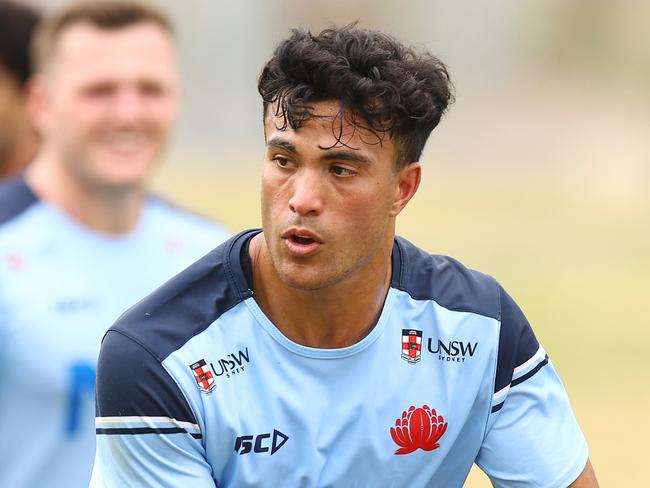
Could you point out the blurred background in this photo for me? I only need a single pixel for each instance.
(538, 175)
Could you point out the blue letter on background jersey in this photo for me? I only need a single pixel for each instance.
(82, 386)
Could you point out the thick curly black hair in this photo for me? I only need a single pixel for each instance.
(379, 83)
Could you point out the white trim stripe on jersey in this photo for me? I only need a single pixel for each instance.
(500, 395)
(108, 422)
(522, 369)
(145, 425)
(520, 374)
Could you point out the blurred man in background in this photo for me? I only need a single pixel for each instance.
(18, 140)
(80, 237)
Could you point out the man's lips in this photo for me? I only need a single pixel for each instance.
(301, 242)
(302, 235)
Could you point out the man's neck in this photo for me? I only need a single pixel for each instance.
(103, 211)
(333, 317)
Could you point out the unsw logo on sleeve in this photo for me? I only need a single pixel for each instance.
(204, 376)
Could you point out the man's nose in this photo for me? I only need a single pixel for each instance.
(307, 196)
(128, 105)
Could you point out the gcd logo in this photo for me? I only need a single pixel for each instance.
(260, 443)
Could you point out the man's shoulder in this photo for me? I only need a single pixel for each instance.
(454, 286)
(445, 280)
(15, 198)
(189, 302)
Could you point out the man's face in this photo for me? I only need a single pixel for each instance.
(109, 100)
(12, 110)
(328, 212)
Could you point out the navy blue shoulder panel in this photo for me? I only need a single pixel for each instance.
(443, 280)
(188, 303)
(455, 287)
(15, 197)
(131, 382)
(517, 341)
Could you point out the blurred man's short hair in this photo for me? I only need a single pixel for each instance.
(103, 14)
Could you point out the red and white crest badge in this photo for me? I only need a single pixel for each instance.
(203, 375)
(411, 345)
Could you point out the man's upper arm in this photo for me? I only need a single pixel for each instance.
(147, 434)
(587, 478)
(533, 438)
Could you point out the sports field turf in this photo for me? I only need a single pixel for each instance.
(577, 262)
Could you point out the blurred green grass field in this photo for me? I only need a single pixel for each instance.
(577, 262)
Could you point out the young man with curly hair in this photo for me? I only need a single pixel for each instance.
(323, 350)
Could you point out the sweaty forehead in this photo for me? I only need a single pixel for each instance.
(327, 126)
(324, 113)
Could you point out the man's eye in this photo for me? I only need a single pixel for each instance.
(97, 91)
(342, 171)
(151, 89)
(280, 161)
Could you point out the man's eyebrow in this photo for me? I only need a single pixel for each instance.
(344, 155)
(330, 155)
(279, 143)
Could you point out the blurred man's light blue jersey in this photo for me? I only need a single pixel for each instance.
(61, 287)
(196, 387)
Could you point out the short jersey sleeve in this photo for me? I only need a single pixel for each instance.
(147, 434)
(533, 438)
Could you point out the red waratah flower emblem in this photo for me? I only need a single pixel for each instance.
(419, 428)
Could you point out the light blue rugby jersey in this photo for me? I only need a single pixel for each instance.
(196, 387)
(61, 287)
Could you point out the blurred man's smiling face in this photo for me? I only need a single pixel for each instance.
(110, 100)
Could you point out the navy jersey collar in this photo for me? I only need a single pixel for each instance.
(236, 269)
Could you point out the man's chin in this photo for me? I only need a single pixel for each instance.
(118, 187)
(122, 181)
(306, 280)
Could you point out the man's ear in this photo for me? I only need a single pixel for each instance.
(408, 181)
(37, 102)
